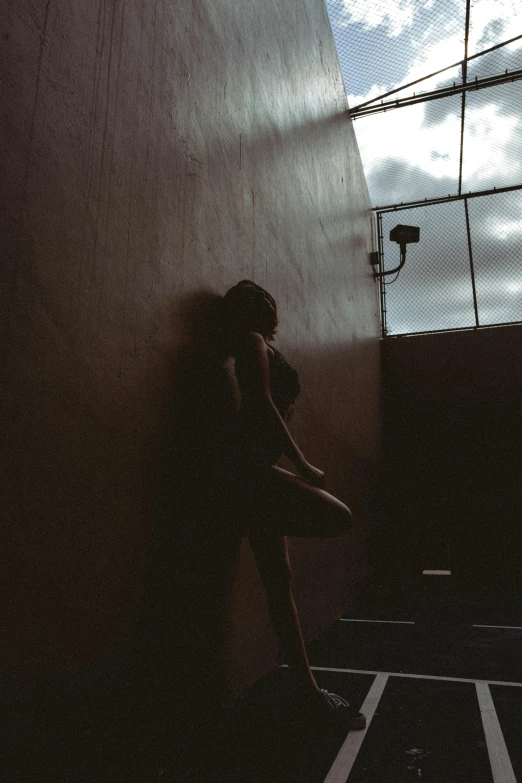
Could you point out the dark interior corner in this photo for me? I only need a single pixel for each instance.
(450, 495)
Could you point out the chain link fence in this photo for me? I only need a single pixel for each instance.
(454, 279)
(453, 134)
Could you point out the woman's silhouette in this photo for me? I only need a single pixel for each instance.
(268, 502)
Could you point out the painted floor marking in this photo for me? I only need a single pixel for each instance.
(345, 759)
(395, 622)
(436, 572)
(415, 676)
(498, 756)
(411, 622)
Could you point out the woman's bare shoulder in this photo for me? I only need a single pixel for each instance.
(255, 342)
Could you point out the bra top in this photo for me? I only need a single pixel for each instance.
(284, 380)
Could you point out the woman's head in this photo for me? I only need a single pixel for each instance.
(249, 308)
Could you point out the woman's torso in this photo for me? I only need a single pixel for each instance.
(256, 446)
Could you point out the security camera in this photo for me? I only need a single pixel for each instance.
(404, 234)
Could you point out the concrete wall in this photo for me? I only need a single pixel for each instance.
(154, 154)
(452, 495)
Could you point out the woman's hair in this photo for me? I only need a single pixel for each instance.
(249, 308)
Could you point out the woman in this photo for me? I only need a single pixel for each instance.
(272, 502)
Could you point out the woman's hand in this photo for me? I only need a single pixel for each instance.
(311, 475)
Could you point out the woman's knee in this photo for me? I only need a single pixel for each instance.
(339, 517)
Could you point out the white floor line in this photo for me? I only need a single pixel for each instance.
(436, 572)
(499, 757)
(504, 627)
(414, 676)
(344, 761)
(410, 622)
(395, 622)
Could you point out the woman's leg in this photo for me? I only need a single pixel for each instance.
(281, 502)
(271, 554)
(284, 504)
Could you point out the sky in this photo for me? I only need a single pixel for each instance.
(413, 153)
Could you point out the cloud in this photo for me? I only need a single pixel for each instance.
(428, 136)
(399, 140)
(395, 15)
(492, 23)
(394, 180)
(492, 146)
(492, 34)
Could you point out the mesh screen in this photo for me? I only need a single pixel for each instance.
(493, 138)
(417, 156)
(496, 235)
(413, 153)
(434, 290)
(382, 44)
(492, 23)
(508, 58)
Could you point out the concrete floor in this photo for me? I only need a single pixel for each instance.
(438, 673)
(433, 673)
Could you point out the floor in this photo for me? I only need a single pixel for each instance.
(438, 672)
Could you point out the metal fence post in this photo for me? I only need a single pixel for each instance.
(472, 270)
(380, 248)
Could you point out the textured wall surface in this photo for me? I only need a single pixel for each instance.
(452, 453)
(154, 154)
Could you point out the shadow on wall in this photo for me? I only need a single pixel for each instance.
(167, 672)
(162, 680)
(156, 696)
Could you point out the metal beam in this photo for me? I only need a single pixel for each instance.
(382, 288)
(463, 106)
(435, 73)
(471, 267)
(444, 199)
(443, 92)
(452, 329)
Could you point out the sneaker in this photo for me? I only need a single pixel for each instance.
(337, 707)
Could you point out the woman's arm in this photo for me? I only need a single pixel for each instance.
(258, 403)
